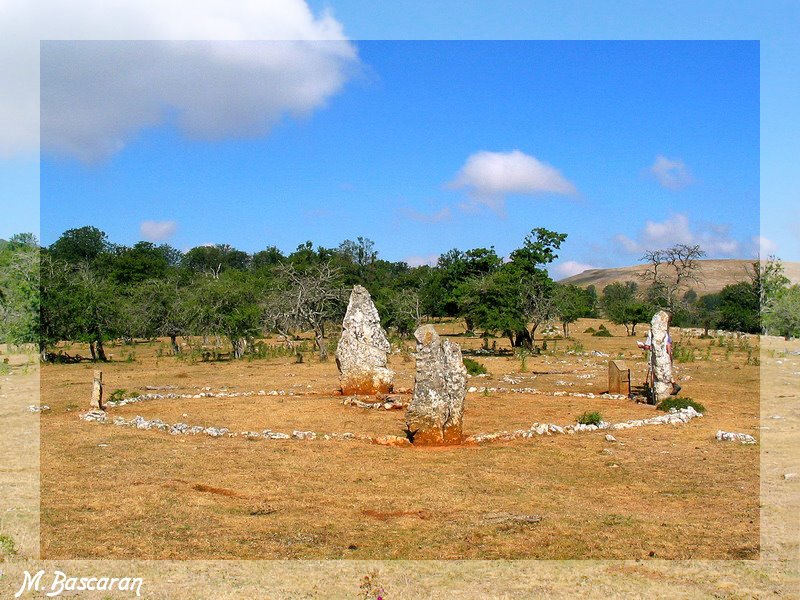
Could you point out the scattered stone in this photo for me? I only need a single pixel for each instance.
(729, 436)
(304, 435)
(97, 391)
(388, 403)
(94, 415)
(610, 438)
(789, 475)
(34, 408)
(440, 385)
(391, 440)
(362, 349)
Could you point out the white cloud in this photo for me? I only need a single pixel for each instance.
(763, 247)
(714, 239)
(489, 177)
(570, 267)
(157, 231)
(418, 261)
(671, 173)
(214, 89)
(445, 214)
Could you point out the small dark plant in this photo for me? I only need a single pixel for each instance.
(474, 367)
(118, 395)
(589, 330)
(590, 418)
(7, 546)
(602, 332)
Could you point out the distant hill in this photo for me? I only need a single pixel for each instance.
(714, 275)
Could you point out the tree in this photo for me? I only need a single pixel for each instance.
(493, 303)
(783, 317)
(669, 272)
(19, 290)
(768, 280)
(163, 308)
(622, 306)
(707, 312)
(738, 308)
(94, 303)
(84, 244)
(267, 259)
(401, 310)
(572, 303)
(213, 260)
(306, 301)
(143, 261)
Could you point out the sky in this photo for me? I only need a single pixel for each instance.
(421, 146)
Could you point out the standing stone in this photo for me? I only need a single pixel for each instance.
(435, 414)
(660, 361)
(362, 349)
(97, 391)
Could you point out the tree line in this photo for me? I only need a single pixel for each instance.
(84, 288)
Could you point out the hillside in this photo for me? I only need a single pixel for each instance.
(714, 275)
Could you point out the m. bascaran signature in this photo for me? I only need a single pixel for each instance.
(62, 583)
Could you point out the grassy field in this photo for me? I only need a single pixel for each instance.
(773, 573)
(667, 492)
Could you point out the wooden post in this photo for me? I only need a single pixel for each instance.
(619, 377)
(97, 391)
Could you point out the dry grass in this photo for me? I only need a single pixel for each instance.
(662, 492)
(774, 574)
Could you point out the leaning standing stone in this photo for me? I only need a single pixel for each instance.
(361, 353)
(435, 414)
(97, 391)
(660, 361)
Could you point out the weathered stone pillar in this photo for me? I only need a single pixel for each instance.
(362, 349)
(435, 414)
(660, 361)
(97, 391)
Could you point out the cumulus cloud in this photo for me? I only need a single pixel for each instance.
(212, 89)
(489, 177)
(445, 214)
(671, 173)
(714, 239)
(763, 247)
(157, 231)
(419, 261)
(570, 267)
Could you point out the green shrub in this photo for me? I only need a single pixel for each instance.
(590, 418)
(682, 354)
(7, 546)
(589, 330)
(474, 367)
(679, 403)
(576, 348)
(602, 332)
(118, 395)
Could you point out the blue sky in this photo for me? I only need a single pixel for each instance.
(381, 156)
(712, 189)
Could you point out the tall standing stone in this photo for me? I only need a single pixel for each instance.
(97, 391)
(435, 414)
(660, 361)
(361, 353)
